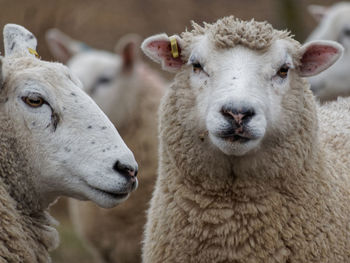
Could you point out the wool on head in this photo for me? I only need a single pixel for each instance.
(230, 31)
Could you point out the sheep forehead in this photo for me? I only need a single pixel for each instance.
(89, 66)
(101, 59)
(51, 75)
(230, 31)
(201, 47)
(281, 51)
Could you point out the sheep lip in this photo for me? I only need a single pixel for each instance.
(234, 137)
(114, 195)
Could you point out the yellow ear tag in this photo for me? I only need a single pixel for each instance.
(33, 52)
(174, 48)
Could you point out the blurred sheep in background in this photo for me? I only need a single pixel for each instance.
(334, 24)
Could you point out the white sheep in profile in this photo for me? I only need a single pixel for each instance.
(129, 92)
(334, 24)
(55, 141)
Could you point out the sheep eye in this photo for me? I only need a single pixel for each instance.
(283, 71)
(103, 80)
(33, 102)
(197, 67)
(346, 32)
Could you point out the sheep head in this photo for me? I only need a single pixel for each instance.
(246, 79)
(71, 146)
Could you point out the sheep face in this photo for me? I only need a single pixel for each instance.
(241, 92)
(72, 147)
(334, 25)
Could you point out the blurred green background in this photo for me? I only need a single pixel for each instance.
(100, 23)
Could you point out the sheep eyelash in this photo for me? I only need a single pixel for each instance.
(281, 78)
(199, 68)
(34, 96)
(283, 71)
(194, 61)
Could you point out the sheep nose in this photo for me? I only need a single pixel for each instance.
(126, 170)
(239, 116)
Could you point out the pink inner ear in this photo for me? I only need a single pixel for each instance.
(163, 50)
(317, 58)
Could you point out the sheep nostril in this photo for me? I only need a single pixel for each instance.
(125, 170)
(247, 113)
(238, 115)
(133, 172)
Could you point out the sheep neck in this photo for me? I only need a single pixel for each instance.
(212, 192)
(16, 174)
(16, 178)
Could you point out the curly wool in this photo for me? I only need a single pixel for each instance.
(290, 204)
(230, 31)
(27, 234)
(286, 203)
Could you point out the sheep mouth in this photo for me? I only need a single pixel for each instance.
(236, 137)
(110, 194)
(115, 195)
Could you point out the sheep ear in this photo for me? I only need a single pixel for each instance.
(317, 11)
(128, 48)
(317, 56)
(62, 46)
(162, 50)
(18, 41)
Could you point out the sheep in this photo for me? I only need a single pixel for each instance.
(245, 173)
(55, 142)
(334, 25)
(129, 92)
